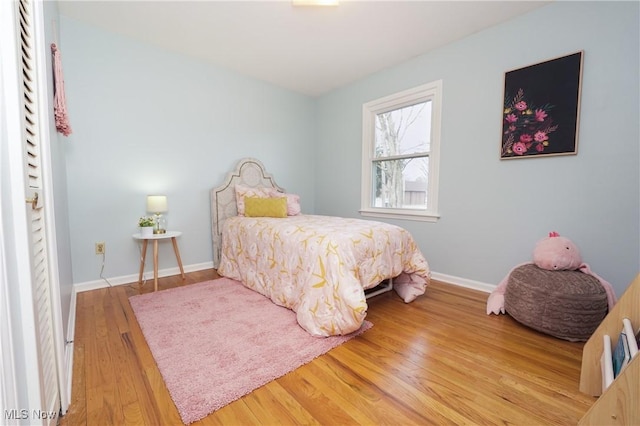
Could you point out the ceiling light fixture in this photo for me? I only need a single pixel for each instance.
(315, 2)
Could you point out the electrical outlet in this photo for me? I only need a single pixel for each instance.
(100, 247)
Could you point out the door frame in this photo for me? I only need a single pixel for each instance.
(62, 347)
(21, 384)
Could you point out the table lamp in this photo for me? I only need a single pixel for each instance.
(157, 204)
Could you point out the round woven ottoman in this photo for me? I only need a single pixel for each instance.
(566, 304)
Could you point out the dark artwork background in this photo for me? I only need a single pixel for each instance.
(553, 87)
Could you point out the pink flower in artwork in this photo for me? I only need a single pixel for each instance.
(540, 115)
(525, 125)
(511, 118)
(519, 148)
(540, 136)
(526, 138)
(520, 106)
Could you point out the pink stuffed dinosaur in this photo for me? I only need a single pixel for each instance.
(552, 253)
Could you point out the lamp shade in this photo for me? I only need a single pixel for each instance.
(156, 203)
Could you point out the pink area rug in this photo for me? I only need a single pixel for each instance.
(217, 340)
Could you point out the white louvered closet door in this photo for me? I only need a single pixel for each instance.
(34, 209)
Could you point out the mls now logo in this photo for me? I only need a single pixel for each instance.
(15, 414)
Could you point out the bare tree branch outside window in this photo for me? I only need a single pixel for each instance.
(401, 156)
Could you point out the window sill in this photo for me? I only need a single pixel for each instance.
(408, 215)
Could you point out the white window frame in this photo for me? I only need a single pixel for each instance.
(426, 92)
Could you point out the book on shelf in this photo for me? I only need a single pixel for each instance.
(606, 362)
(615, 359)
(621, 354)
(632, 338)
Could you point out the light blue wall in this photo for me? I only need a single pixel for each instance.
(59, 174)
(493, 212)
(149, 121)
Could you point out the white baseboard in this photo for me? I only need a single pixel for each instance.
(68, 355)
(127, 279)
(463, 282)
(68, 351)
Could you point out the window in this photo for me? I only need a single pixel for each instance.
(400, 154)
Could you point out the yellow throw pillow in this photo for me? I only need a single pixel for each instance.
(265, 207)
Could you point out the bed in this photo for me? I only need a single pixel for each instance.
(321, 267)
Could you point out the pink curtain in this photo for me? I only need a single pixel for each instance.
(59, 100)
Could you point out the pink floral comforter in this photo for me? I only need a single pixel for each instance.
(319, 266)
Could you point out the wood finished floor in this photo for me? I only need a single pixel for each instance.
(439, 360)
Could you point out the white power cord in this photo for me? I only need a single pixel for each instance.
(104, 257)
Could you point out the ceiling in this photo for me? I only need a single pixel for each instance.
(311, 50)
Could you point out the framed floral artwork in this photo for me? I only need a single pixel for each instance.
(541, 109)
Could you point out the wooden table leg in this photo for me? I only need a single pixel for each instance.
(175, 249)
(155, 265)
(142, 258)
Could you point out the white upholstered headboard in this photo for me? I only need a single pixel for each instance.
(249, 172)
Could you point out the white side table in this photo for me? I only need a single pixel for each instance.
(155, 238)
